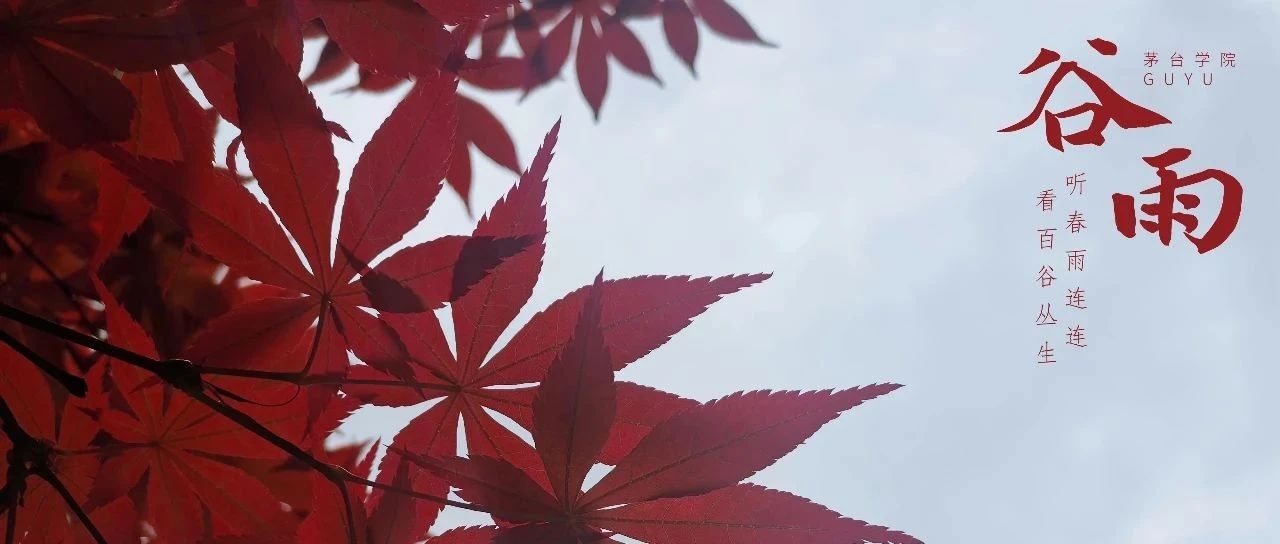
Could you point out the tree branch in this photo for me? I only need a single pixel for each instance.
(186, 377)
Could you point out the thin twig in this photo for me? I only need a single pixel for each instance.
(52, 479)
(294, 378)
(74, 384)
(11, 532)
(58, 281)
(186, 377)
(27, 450)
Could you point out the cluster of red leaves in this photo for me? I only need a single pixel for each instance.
(519, 47)
(239, 332)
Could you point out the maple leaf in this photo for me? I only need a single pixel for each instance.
(333, 62)
(680, 484)
(393, 39)
(602, 33)
(63, 431)
(57, 54)
(169, 124)
(179, 453)
(679, 24)
(401, 38)
(641, 314)
(396, 37)
(479, 128)
(591, 60)
(291, 154)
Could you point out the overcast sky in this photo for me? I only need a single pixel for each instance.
(860, 163)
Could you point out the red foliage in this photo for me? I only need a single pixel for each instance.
(178, 352)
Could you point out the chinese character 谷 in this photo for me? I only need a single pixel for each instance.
(1046, 276)
(1110, 106)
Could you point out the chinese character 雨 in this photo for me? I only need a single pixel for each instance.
(1163, 211)
(1075, 260)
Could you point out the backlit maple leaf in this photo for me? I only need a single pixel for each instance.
(57, 56)
(291, 154)
(178, 455)
(680, 484)
(64, 432)
(640, 314)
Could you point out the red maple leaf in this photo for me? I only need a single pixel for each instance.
(641, 314)
(291, 154)
(58, 54)
(479, 128)
(63, 432)
(165, 450)
(678, 23)
(167, 124)
(601, 32)
(179, 457)
(396, 37)
(390, 39)
(681, 482)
